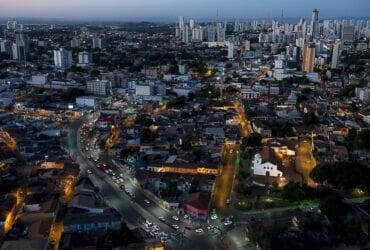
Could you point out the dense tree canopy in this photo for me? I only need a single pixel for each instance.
(342, 175)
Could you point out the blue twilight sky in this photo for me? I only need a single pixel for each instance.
(146, 9)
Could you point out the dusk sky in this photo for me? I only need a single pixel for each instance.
(144, 9)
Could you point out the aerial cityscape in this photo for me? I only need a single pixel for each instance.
(205, 125)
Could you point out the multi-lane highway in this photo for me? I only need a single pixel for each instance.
(134, 206)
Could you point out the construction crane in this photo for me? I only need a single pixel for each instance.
(8, 140)
(114, 137)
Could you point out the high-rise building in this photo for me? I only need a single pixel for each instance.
(308, 58)
(315, 23)
(181, 22)
(191, 24)
(230, 50)
(63, 58)
(5, 46)
(211, 33)
(197, 34)
(185, 34)
(221, 32)
(348, 33)
(247, 45)
(336, 54)
(20, 48)
(84, 58)
(178, 32)
(98, 87)
(97, 43)
(297, 54)
(18, 52)
(75, 43)
(11, 25)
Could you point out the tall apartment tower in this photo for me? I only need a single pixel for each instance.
(315, 23)
(336, 54)
(63, 58)
(230, 50)
(97, 43)
(185, 34)
(308, 58)
(181, 22)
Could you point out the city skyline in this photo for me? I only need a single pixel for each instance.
(206, 9)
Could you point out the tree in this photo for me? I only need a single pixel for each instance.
(146, 135)
(363, 139)
(177, 103)
(311, 118)
(254, 140)
(343, 175)
(143, 120)
(294, 192)
(333, 207)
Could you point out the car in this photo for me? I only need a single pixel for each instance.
(199, 231)
(132, 195)
(148, 223)
(122, 187)
(228, 223)
(147, 201)
(161, 218)
(186, 216)
(175, 218)
(214, 215)
(175, 226)
(89, 171)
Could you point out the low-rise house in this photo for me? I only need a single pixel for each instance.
(83, 221)
(196, 205)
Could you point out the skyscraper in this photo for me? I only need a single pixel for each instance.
(75, 43)
(21, 46)
(230, 50)
(97, 43)
(308, 58)
(63, 58)
(348, 33)
(211, 33)
(84, 58)
(181, 22)
(315, 23)
(185, 34)
(336, 54)
(197, 34)
(221, 32)
(5, 46)
(11, 25)
(247, 45)
(191, 24)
